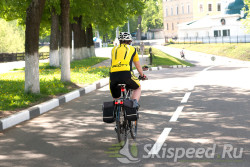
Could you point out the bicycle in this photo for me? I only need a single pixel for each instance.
(123, 125)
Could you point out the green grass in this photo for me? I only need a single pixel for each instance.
(161, 58)
(12, 96)
(44, 49)
(110, 45)
(239, 51)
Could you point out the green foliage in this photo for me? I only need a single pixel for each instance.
(110, 14)
(246, 22)
(12, 84)
(132, 25)
(12, 37)
(153, 15)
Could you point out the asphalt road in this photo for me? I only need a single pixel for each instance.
(194, 117)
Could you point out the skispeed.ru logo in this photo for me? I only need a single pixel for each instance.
(127, 154)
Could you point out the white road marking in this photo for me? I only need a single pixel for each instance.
(176, 114)
(157, 146)
(185, 98)
(207, 68)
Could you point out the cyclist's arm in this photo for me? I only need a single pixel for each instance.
(138, 67)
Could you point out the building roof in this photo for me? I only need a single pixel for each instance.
(205, 22)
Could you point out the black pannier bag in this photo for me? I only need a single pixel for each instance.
(108, 112)
(131, 108)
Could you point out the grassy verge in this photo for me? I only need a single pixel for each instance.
(162, 59)
(12, 96)
(237, 51)
(44, 49)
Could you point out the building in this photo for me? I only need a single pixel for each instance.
(201, 18)
(176, 12)
(155, 34)
(212, 29)
(203, 8)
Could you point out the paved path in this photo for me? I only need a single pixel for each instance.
(183, 112)
(199, 107)
(6, 67)
(201, 59)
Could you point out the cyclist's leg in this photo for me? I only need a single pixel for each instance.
(136, 94)
(113, 86)
(134, 83)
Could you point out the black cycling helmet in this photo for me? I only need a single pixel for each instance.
(125, 36)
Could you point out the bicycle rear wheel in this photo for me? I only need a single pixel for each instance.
(133, 128)
(121, 126)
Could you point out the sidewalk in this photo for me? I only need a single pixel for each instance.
(202, 59)
(6, 67)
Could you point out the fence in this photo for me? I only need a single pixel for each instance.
(8, 57)
(222, 39)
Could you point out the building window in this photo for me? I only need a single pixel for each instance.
(223, 21)
(226, 33)
(172, 26)
(210, 7)
(188, 9)
(177, 10)
(182, 9)
(172, 13)
(166, 11)
(217, 33)
(218, 7)
(201, 8)
(167, 26)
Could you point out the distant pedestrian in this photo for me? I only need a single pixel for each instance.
(142, 48)
(182, 54)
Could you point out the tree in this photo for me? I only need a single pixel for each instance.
(33, 19)
(116, 14)
(138, 34)
(77, 38)
(12, 38)
(65, 56)
(54, 39)
(247, 13)
(153, 15)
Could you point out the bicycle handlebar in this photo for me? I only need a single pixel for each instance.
(144, 77)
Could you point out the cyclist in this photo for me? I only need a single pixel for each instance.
(121, 68)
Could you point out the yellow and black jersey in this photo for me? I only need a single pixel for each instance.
(122, 58)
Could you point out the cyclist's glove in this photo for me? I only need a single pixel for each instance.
(144, 77)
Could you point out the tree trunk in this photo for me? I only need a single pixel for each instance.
(33, 19)
(77, 39)
(70, 34)
(138, 35)
(90, 42)
(65, 67)
(54, 40)
(84, 49)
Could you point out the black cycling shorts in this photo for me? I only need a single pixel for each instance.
(122, 77)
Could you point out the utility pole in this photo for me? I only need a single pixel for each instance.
(128, 27)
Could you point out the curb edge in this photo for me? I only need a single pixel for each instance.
(46, 106)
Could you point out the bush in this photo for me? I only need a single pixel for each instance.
(12, 37)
